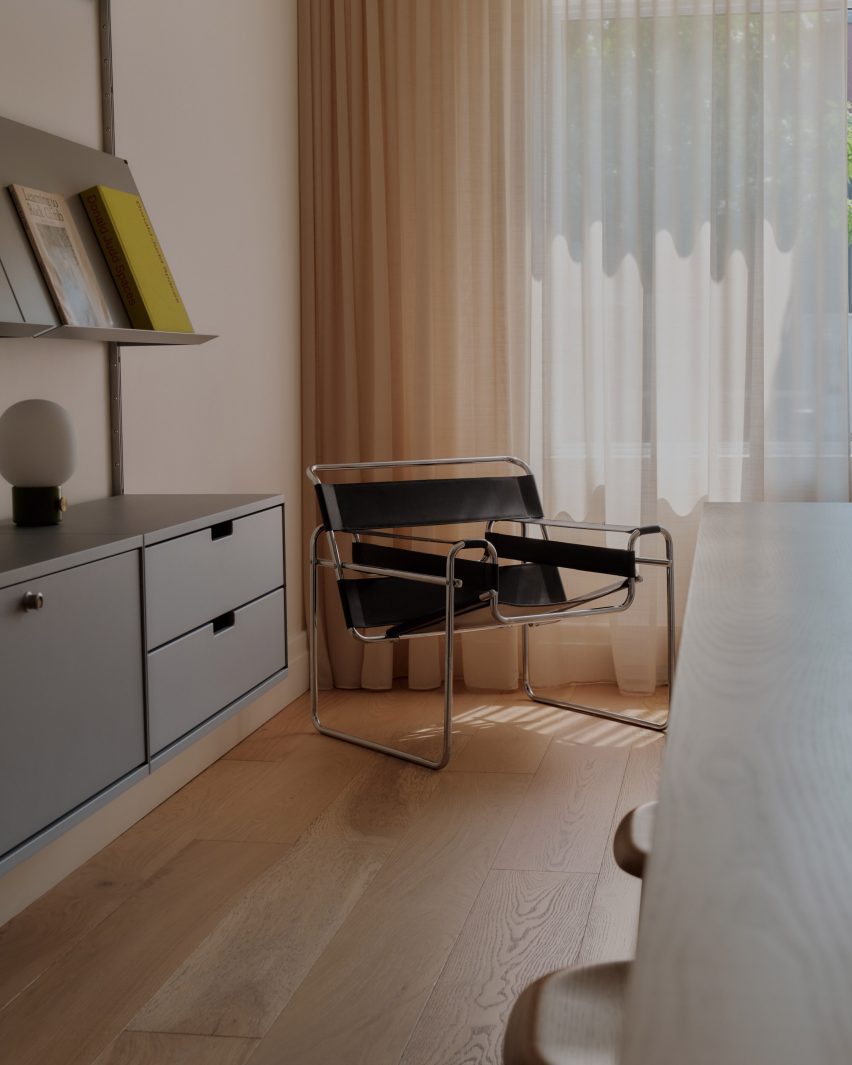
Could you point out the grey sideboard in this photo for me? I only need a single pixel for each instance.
(127, 632)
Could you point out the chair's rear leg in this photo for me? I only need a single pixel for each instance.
(580, 708)
(670, 613)
(449, 635)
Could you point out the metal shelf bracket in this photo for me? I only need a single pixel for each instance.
(116, 436)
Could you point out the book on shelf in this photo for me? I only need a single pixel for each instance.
(62, 257)
(135, 258)
(10, 309)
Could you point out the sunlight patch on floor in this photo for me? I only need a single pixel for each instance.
(402, 714)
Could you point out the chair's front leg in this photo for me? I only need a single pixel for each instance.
(313, 630)
(449, 634)
(449, 628)
(525, 659)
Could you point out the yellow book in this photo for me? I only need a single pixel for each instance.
(136, 260)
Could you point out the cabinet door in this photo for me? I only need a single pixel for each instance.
(71, 703)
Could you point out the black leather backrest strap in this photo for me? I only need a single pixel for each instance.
(447, 501)
(612, 560)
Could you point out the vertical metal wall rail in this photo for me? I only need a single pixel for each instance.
(116, 436)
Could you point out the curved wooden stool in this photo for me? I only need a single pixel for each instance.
(631, 844)
(570, 1017)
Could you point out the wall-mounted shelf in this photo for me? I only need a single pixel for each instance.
(41, 160)
(126, 337)
(21, 329)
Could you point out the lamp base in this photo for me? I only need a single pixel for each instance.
(37, 506)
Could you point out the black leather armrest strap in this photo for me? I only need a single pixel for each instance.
(617, 561)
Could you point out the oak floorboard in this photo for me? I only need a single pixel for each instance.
(275, 748)
(564, 821)
(614, 915)
(404, 712)
(513, 708)
(499, 749)
(35, 938)
(281, 798)
(229, 800)
(403, 717)
(241, 977)
(84, 1001)
(271, 747)
(607, 696)
(348, 815)
(293, 720)
(522, 926)
(411, 718)
(32, 940)
(361, 1000)
(158, 1048)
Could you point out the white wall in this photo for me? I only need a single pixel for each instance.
(49, 77)
(206, 115)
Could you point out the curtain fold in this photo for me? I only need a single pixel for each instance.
(606, 235)
(412, 230)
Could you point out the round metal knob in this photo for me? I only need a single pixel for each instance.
(33, 601)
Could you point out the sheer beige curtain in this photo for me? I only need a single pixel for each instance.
(689, 275)
(607, 235)
(414, 236)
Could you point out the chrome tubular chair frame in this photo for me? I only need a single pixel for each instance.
(451, 583)
(596, 711)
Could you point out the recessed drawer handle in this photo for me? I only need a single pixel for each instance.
(223, 622)
(220, 531)
(32, 601)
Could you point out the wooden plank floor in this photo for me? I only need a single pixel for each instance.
(305, 901)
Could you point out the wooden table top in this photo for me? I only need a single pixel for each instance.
(745, 938)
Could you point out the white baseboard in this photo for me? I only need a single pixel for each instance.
(26, 882)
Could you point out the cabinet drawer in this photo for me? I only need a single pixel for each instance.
(199, 674)
(71, 714)
(194, 578)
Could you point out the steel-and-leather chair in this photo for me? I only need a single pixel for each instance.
(393, 592)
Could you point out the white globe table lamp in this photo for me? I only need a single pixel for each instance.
(37, 454)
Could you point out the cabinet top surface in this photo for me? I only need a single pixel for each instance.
(103, 527)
